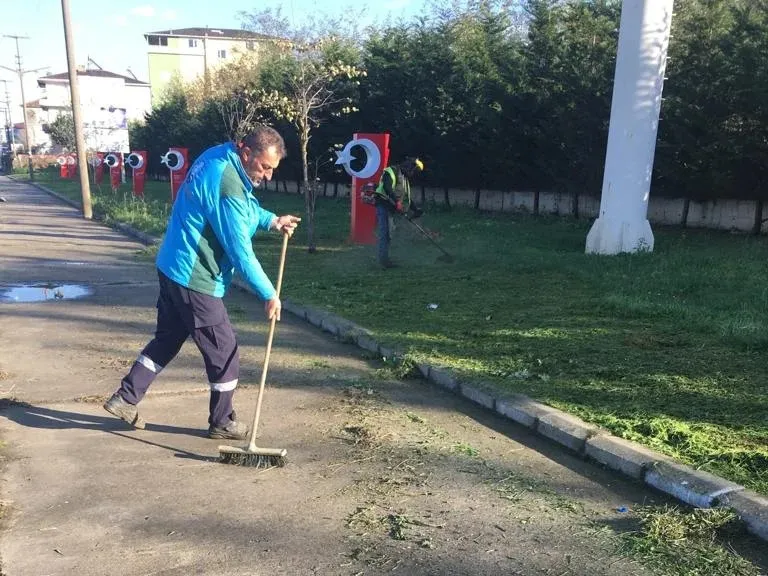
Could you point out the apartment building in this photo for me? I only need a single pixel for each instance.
(108, 102)
(187, 52)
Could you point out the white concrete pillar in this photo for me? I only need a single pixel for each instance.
(622, 225)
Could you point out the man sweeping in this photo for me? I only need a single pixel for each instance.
(393, 195)
(209, 234)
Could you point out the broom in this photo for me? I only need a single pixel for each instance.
(251, 455)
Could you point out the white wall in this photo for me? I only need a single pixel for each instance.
(102, 101)
(139, 101)
(99, 92)
(55, 94)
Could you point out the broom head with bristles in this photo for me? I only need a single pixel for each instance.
(253, 457)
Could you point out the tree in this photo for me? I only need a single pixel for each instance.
(240, 74)
(315, 85)
(172, 124)
(408, 92)
(62, 131)
(312, 82)
(713, 138)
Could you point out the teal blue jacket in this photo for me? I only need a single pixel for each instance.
(212, 222)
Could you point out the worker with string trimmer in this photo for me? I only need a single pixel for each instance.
(392, 196)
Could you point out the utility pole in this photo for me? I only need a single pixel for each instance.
(85, 185)
(6, 112)
(20, 71)
(9, 120)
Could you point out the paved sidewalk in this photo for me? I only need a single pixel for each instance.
(383, 475)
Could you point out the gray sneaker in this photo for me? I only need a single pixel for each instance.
(232, 431)
(128, 412)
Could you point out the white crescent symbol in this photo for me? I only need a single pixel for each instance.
(71, 160)
(373, 158)
(111, 160)
(61, 160)
(135, 161)
(179, 160)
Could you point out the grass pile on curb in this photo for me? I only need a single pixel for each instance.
(694, 543)
(666, 349)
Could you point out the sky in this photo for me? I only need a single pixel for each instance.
(112, 34)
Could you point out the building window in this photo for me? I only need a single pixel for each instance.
(250, 45)
(192, 43)
(222, 54)
(157, 40)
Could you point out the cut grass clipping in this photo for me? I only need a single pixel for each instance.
(682, 543)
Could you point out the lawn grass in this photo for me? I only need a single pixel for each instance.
(664, 348)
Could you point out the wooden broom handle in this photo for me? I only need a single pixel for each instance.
(273, 322)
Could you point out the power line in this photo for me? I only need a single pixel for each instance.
(21, 72)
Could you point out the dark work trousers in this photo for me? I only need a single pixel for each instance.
(181, 313)
(382, 221)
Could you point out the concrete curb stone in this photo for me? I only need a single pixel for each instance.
(522, 409)
(751, 508)
(315, 317)
(622, 455)
(566, 430)
(295, 309)
(387, 354)
(694, 487)
(330, 324)
(349, 331)
(443, 378)
(345, 328)
(367, 343)
(477, 396)
(138, 234)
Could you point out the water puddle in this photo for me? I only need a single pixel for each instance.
(43, 292)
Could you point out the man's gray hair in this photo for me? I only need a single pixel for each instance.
(263, 137)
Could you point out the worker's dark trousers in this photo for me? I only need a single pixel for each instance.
(382, 221)
(180, 313)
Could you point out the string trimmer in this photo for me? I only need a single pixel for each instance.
(446, 257)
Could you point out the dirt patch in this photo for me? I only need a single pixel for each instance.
(425, 485)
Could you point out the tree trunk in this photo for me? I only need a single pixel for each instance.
(536, 202)
(686, 208)
(309, 191)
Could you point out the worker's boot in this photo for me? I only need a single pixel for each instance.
(125, 411)
(233, 430)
